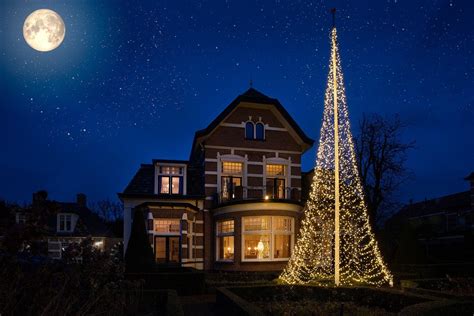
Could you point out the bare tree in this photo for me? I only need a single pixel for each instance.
(381, 156)
(108, 210)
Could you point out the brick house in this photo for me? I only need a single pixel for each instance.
(236, 203)
(63, 224)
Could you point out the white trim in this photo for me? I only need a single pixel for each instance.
(295, 177)
(199, 247)
(258, 206)
(255, 175)
(210, 172)
(210, 185)
(279, 129)
(210, 159)
(242, 125)
(257, 163)
(252, 149)
(233, 125)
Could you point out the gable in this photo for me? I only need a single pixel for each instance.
(252, 99)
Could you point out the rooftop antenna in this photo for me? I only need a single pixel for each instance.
(333, 12)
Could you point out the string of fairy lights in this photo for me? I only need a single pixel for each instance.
(313, 259)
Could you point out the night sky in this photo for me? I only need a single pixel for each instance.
(133, 81)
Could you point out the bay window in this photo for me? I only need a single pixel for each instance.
(225, 240)
(267, 238)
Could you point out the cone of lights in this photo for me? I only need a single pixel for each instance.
(336, 242)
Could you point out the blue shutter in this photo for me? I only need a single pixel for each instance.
(181, 185)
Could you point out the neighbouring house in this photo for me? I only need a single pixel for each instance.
(236, 203)
(64, 223)
(443, 226)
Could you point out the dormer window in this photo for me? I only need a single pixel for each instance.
(170, 180)
(20, 218)
(64, 223)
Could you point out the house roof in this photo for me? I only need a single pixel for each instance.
(143, 181)
(89, 223)
(252, 96)
(171, 161)
(448, 203)
(470, 177)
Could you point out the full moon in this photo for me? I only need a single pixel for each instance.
(44, 30)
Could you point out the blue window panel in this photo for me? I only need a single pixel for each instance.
(249, 130)
(260, 131)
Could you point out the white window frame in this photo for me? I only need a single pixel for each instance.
(224, 234)
(231, 158)
(286, 165)
(272, 234)
(158, 233)
(66, 216)
(183, 176)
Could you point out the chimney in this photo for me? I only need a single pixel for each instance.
(81, 200)
(470, 178)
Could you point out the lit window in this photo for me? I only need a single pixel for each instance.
(259, 131)
(225, 227)
(231, 181)
(232, 167)
(266, 238)
(257, 223)
(175, 185)
(170, 180)
(166, 225)
(275, 170)
(225, 240)
(229, 189)
(171, 170)
(275, 181)
(170, 185)
(249, 130)
(165, 185)
(65, 223)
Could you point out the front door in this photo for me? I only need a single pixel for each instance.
(167, 249)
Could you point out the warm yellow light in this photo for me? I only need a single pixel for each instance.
(336, 186)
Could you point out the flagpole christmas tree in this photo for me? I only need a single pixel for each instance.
(336, 239)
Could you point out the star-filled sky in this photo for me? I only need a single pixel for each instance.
(133, 80)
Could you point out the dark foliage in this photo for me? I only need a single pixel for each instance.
(381, 154)
(139, 255)
(34, 286)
